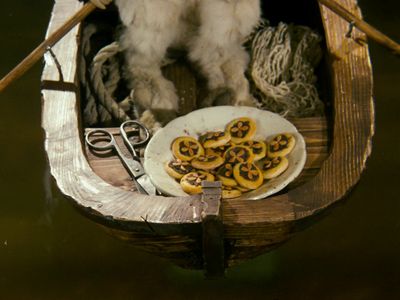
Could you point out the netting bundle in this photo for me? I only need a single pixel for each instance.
(282, 70)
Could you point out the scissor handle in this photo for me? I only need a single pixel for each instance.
(110, 141)
(134, 123)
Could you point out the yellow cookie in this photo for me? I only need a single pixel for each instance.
(191, 183)
(178, 168)
(273, 167)
(211, 151)
(207, 162)
(241, 129)
(242, 189)
(281, 145)
(229, 192)
(186, 148)
(219, 150)
(248, 175)
(214, 139)
(225, 175)
(259, 148)
(238, 154)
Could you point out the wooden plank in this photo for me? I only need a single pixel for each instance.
(310, 124)
(353, 119)
(66, 50)
(213, 230)
(185, 83)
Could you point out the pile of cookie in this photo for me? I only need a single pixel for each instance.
(230, 156)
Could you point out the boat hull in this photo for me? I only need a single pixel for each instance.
(171, 227)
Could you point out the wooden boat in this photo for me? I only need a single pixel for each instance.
(220, 234)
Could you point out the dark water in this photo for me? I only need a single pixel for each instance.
(49, 251)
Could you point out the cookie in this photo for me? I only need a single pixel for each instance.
(248, 175)
(214, 139)
(242, 189)
(177, 168)
(259, 148)
(238, 154)
(186, 148)
(229, 192)
(191, 182)
(273, 167)
(281, 145)
(225, 175)
(219, 150)
(207, 162)
(241, 129)
(211, 151)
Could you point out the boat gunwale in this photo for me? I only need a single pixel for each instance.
(179, 215)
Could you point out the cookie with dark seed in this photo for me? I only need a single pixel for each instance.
(219, 150)
(214, 139)
(207, 162)
(238, 154)
(229, 192)
(191, 182)
(248, 175)
(225, 175)
(177, 168)
(274, 166)
(186, 148)
(281, 145)
(241, 129)
(259, 148)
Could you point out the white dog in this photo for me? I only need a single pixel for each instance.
(212, 32)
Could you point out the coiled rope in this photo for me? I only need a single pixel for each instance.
(104, 77)
(105, 90)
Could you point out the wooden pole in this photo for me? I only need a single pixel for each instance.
(369, 30)
(40, 50)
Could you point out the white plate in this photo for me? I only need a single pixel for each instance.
(158, 151)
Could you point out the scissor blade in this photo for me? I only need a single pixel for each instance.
(145, 182)
(142, 181)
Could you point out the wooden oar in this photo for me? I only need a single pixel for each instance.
(40, 50)
(363, 26)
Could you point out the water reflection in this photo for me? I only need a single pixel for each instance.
(48, 250)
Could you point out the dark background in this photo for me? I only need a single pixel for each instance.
(49, 251)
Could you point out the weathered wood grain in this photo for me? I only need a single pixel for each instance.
(353, 117)
(186, 85)
(171, 226)
(213, 230)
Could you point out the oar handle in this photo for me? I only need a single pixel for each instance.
(369, 30)
(40, 50)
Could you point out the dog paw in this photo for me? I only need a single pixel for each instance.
(156, 94)
(219, 96)
(148, 119)
(248, 101)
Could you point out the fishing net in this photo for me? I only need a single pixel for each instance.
(283, 60)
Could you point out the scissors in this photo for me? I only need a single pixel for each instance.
(133, 165)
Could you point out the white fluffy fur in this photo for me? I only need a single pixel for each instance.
(212, 31)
